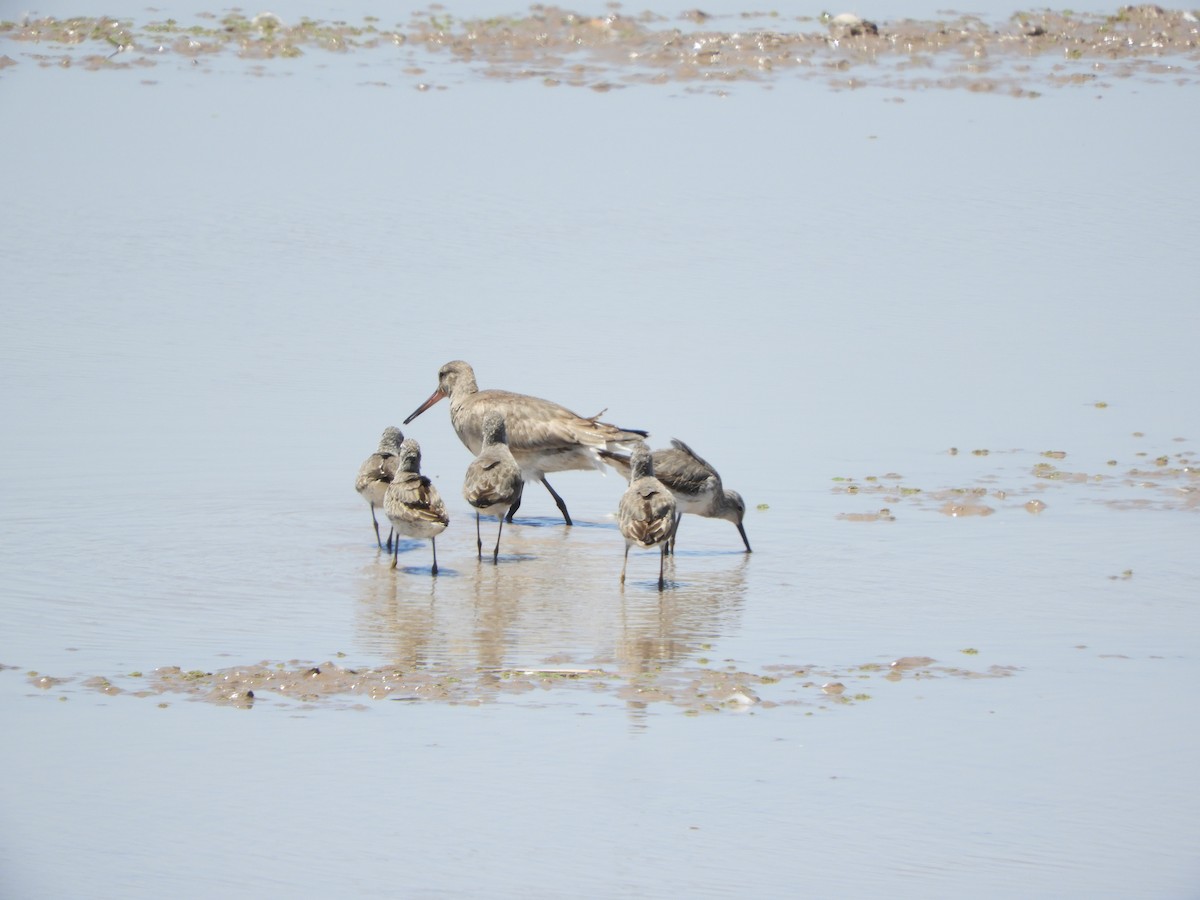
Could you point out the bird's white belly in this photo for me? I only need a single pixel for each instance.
(696, 504)
(418, 528)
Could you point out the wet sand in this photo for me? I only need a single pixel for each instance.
(692, 689)
(1023, 54)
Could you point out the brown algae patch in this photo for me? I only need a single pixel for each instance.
(103, 685)
(905, 663)
(882, 515)
(557, 46)
(960, 502)
(45, 682)
(694, 689)
(1160, 480)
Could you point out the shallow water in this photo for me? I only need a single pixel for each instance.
(223, 285)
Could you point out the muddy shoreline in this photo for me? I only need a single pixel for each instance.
(692, 690)
(1023, 55)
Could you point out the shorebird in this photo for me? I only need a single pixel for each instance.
(412, 503)
(696, 487)
(493, 483)
(543, 436)
(375, 474)
(646, 515)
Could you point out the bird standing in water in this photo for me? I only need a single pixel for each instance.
(376, 473)
(646, 515)
(543, 436)
(493, 483)
(696, 487)
(412, 503)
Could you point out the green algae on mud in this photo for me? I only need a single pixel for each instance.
(1028, 52)
(693, 689)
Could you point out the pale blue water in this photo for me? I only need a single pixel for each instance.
(219, 288)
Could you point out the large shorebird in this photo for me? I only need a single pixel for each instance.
(696, 487)
(412, 503)
(493, 483)
(543, 436)
(646, 515)
(376, 473)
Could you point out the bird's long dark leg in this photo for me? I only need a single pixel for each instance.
(512, 510)
(375, 522)
(391, 534)
(434, 542)
(496, 552)
(626, 563)
(674, 531)
(395, 551)
(662, 565)
(562, 507)
(478, 539)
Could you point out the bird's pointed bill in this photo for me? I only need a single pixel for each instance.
(742, 532)
(433, 398)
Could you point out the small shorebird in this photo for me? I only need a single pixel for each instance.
(543, 436)
(412, 503)
(696, 487)
(493, 483)
(376, 473)
(646, 515)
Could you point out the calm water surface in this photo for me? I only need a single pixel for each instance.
(220, 287)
